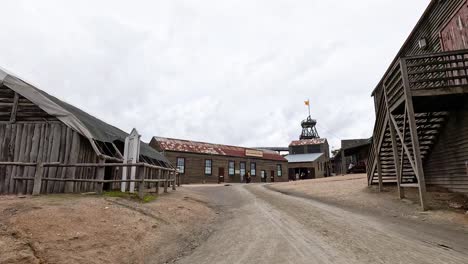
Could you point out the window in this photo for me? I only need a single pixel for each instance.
(208, 164)
(253, 169)
(279, 170)
(242, 168)
(231, 168)
(181, 165)
(263, 174)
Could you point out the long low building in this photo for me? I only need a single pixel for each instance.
(200, 162)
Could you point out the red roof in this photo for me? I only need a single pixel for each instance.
(180, 145)
(303, 142)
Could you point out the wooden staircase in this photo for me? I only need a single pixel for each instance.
(410, 116)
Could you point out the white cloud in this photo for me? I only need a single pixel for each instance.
(233, 72)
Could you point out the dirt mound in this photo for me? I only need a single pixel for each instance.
(95, 229)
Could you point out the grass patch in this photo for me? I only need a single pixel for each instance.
(133, 196)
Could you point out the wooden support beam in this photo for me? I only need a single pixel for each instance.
(166, 175)
(174, 182)
(398, 169)
(414, 136)
(159, 178)
(38, 179)
(14, 108)
(394, 147)
(379, 172)
(141, 185)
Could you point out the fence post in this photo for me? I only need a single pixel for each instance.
(157, 183)
(141, 186)
(174, 182)
(100, 176)
(166, 178)
(38, 179)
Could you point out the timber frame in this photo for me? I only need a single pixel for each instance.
(407, 120)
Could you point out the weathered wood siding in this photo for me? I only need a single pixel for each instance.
(46, 142)
(447, 164)
(26, 111)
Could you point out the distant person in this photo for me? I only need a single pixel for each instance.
(297, 177)
(248, 178)
(350, 168)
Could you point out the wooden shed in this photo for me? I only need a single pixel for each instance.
(421, 131)
(37, 128)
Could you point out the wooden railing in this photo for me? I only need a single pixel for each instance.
(438, 70)
(379, 130)
(146, 174)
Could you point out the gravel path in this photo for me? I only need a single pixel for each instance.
(263, 226)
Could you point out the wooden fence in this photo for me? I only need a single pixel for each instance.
(147, 176)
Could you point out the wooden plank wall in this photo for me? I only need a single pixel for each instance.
(47, 142)
(447, 164)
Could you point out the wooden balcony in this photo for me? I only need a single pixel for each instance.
(444, 73)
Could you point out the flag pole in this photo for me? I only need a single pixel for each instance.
(308, 105)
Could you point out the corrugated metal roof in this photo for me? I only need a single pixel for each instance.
(311, 157)
(181, 145)
(303, 142)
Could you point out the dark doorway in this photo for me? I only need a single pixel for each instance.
(272, 176)
(108, 172)
(304, 173)
(220, 175)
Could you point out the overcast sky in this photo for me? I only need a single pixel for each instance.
(223, 71)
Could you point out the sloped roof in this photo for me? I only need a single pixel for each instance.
(181, 145)
(296, 158)
(303, 142)
(351, 143)
(75, 118)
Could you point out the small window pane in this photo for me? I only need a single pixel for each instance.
(231, 168)
(208, 167)
(279, 170)
(181, 165)
(242, 168)
(253, 169)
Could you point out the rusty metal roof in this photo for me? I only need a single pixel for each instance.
(181, 145)
(303, 142)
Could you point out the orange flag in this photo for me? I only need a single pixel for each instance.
(306, 102)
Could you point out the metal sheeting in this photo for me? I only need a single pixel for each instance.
(303, 157)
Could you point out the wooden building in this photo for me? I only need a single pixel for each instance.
(421, 131)
(199, 162)
(37, 128)
(308, 159)
(352, 151)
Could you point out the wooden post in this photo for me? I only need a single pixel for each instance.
(141, 186)
(401, 192)
(166, 176)
(14, 108)
(392, 128)
(174, 182)
(38, 179)
(178, 178)
(157, 184)
(379, 173)
(100, 176)
(414, 136)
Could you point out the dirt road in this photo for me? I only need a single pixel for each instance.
(260, 225)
